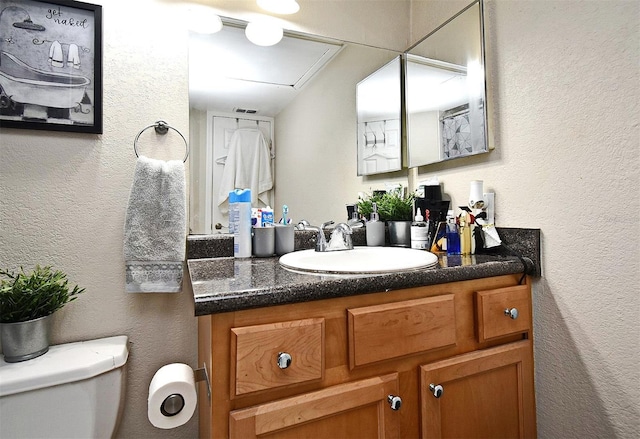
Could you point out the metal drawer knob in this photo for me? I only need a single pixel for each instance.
(284, 360)
(436, 389)
(512, 313)
(394, 401)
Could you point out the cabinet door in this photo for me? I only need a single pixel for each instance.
(484, 394)
(352, 410)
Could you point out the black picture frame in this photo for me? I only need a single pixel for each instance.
(51, 65)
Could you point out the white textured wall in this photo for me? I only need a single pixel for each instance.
(63, 198)
(565, 83)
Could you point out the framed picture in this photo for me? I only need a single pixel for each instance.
(51, 65)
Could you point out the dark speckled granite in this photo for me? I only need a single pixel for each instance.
(526, 243)
(221, 245)
(229, 284)
(209, 246)
(222, 283)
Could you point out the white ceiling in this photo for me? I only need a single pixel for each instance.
(227, 71)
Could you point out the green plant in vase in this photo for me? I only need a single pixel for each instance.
(396, 208)
(26, 302)
(394, 205)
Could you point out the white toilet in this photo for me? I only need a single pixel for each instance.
(75, 390)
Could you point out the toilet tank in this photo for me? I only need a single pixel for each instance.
(76, 390)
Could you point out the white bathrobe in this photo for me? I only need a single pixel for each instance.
(247, 166)
(56, 58)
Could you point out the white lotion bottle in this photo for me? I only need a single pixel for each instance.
(420, 232)
(375, 229)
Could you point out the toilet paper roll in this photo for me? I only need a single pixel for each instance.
(172, 396)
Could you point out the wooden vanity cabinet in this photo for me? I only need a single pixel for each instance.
(449, 360)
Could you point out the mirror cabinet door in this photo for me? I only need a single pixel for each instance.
(445, 91)
(378, 104)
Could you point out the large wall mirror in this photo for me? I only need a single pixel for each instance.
(300, 94)
(445, 91)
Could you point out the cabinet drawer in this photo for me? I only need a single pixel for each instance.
(392, 330)
(255, 351)
(492, 312)
(358, 409)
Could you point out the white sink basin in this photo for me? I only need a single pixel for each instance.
(360, 260)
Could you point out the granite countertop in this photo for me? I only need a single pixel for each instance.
(222, 283)
(229, 284)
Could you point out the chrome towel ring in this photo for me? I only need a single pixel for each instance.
(161, 128)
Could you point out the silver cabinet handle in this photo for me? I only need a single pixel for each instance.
(512, 313)
(436, 389)
(394, 401)
(284, 360)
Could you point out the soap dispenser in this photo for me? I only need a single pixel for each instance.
(420, 232)
(453, 235)
(375, 229)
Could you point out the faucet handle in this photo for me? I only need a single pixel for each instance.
(324, 225)
(304, 225)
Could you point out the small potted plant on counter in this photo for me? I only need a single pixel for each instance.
(27, 301)
(396, 208)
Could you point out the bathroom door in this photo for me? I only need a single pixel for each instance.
(222, 128)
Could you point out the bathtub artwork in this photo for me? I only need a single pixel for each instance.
(51, 65)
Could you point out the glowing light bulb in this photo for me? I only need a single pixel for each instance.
(284, 7)
(204, 21)
(263, 34)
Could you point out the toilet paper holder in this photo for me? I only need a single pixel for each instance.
(202, 375)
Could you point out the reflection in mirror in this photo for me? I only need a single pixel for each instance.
(379, 109)
(304, 103)
(445, 91)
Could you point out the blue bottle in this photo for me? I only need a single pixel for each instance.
(453, 236)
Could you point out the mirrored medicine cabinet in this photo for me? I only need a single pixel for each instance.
(379, 112)
(445, 91)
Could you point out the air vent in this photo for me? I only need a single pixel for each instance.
(244, 111)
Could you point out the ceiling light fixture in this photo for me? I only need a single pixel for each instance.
(263, 34)
(284, 7)
(204, 21)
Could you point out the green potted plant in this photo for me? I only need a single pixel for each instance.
(27, 301)
(396, 208)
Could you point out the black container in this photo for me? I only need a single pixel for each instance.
(437, 211)
(433, 193)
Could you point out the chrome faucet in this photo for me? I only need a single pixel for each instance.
(321, 241)
(340, 238)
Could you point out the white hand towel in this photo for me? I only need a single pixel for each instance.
(155, 227)
(248, 166)
(74, 56)
(56, 58)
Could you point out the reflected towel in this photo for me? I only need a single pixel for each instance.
(155, 227)
(56, 58)
(74, 56)
(247, 166)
